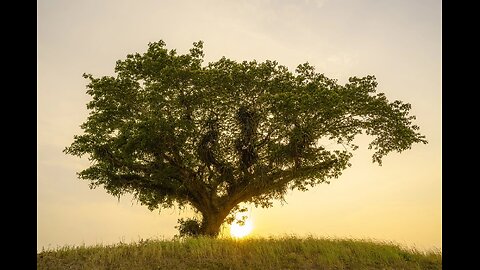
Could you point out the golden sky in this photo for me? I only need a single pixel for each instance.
(398, 41)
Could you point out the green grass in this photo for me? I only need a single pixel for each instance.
(255, 253)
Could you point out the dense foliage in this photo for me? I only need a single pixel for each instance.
(171, 130)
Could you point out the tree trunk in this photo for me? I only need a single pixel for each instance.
(212, 221)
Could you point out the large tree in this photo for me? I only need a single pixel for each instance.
(173, 131)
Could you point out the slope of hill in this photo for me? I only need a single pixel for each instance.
(254, 253)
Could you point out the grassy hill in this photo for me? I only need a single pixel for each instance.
(259, 253)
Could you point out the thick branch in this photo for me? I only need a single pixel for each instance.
(265, 184)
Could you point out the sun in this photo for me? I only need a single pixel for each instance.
(239, 231)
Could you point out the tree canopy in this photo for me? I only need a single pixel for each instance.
(173, 131)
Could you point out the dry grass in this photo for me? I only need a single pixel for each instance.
(255, 253)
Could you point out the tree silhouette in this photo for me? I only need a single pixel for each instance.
(173, 131)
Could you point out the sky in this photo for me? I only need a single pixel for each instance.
(398, 41)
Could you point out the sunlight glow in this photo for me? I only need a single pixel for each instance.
(239, 231)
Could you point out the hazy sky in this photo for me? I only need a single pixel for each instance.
(398, 41)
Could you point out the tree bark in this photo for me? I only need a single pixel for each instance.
(212, 221)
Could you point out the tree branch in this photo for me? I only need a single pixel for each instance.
(263, 185)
